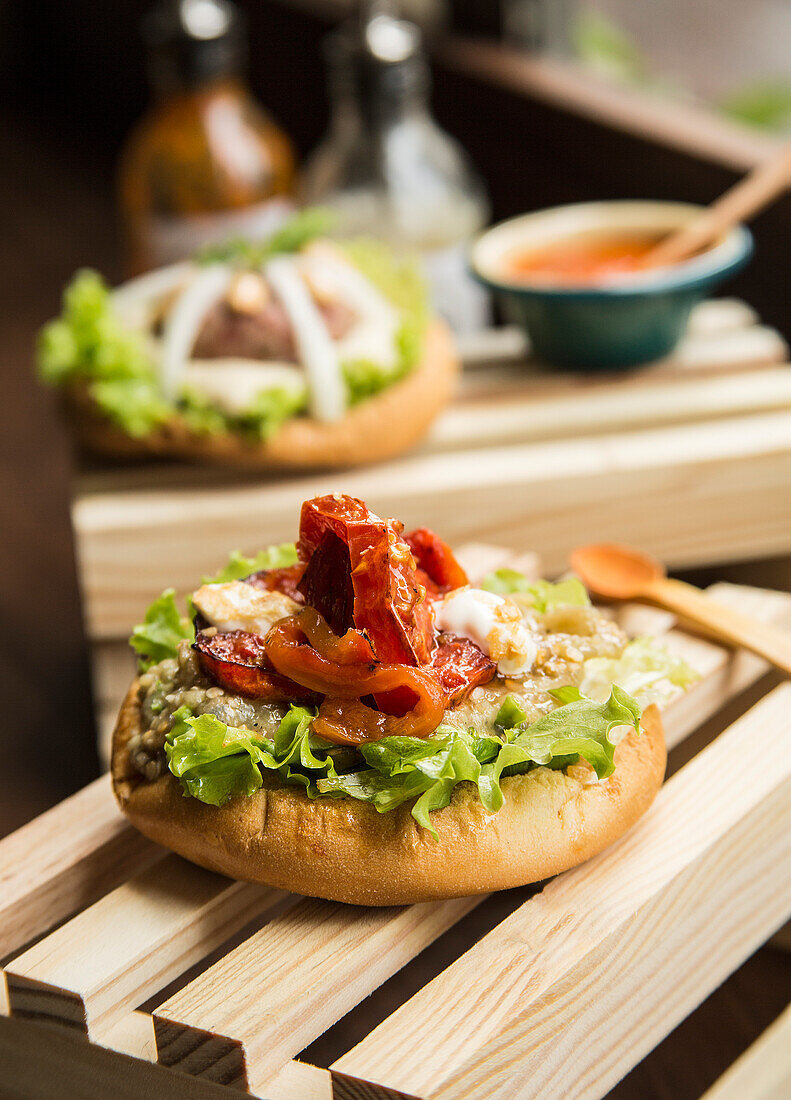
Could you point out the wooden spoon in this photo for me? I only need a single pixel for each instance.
(744, 200)
(621, 573)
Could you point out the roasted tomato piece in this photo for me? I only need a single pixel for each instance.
(458, 665)
(382, 596)
(238, 662)
(352, 722)
(327, 583)
(436, 560)
(283, 580)
(303, 648)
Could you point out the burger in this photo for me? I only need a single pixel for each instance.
(351, 718)
(295, 352)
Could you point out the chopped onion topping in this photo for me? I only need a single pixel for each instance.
(184, 322)
(317, 351)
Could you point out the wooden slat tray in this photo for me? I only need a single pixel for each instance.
(99, 924)
(540, 460)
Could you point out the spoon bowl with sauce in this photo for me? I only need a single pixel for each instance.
(575, 278)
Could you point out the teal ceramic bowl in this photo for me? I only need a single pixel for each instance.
(636, 318)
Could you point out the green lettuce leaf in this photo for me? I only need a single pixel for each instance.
(239, 566)
(135, 404)
(545, 595)
(158, 636)
(164, 626)
(89, 342)
(88, 339)
(402, 769)
(365, 379)
(270, 410)
(291, 236)
(215, 762)
(645, 669)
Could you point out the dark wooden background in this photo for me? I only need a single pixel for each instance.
(72, 81)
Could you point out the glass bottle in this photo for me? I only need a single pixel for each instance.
(206, 163)
(387, 168)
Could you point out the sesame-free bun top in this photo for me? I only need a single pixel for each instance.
(345, 850)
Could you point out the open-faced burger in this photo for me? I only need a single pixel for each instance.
(350, 718)
(298, 352)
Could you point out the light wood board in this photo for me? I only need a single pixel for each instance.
(696, 852)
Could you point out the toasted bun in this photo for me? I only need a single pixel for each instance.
(345, 850)
(375, 429)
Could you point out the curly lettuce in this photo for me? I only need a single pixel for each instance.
(426, 771)
(215, 762)
(88, 342)
(165, 626)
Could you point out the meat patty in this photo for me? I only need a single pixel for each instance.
(266, 334)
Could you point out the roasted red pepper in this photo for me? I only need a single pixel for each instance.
(283, 580)
(238, 662)
(458, 665)
(377, 590)
(304, 649)
(436, 561)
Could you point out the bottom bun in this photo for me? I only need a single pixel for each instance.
(345, 850)
(377, 428)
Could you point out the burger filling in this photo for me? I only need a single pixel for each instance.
(362, 663)
(242, 338)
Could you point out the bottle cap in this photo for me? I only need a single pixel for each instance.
(192, 41)
(380, 60)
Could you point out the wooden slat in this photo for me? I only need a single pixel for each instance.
(527, 416)
(39, 1063)
(730, 476)
(134, 1035)
(694, 129)
(240, 1021)
(221, 1035)
(63, 860)
(764, 1070)
(584, 979)
(128, 945)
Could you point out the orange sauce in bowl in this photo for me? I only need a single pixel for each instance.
(578, 261)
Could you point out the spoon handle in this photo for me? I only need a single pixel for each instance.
(770, 642)
(740, 203)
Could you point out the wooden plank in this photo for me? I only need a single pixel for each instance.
(729, 476)
(764, 1070)
(524, 416)
(241, 1036)
(573, 1012)
(693, 129)
(91, 971)
(38, 1063)
(240, 1021)
(134, 1035)
(63, 860)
